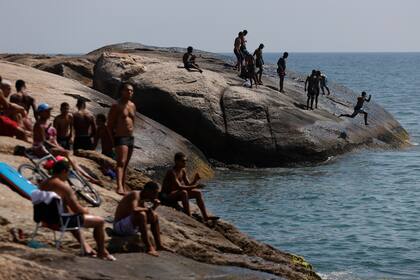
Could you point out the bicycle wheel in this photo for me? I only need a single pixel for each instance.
(84, 189)
(30, 173)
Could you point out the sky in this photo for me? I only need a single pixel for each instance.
(80, 26)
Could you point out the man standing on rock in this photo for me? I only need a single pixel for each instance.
(358, 109)
(63, 123)
(135, 211)
(237, 52)
(177, 187)
(22, 98)
(84, 127)
(259, 62)
(121, 125)
(310, 86)
(281, 69)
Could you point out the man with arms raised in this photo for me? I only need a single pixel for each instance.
(58, 184)
(121, 118)
(177, 187)
(135, 211)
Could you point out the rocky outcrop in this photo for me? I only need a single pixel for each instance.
(233, 124)
(79, 68)
(155, 144)
(216, 244)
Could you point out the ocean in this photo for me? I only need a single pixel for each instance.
(357, 217)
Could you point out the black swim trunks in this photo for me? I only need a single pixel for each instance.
(74, 220)
(124, 141)
(83, 143)
(64, 142)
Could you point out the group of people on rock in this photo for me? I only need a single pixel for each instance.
(137, 208)
(314, 83)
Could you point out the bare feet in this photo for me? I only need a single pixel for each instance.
(121, 192)
(153, 252)
(107, 257)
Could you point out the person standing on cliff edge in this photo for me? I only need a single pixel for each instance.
(281, 69)
(121, 118)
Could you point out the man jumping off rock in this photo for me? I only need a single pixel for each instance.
(358, 109)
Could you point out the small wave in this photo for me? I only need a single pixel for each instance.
(414, 143)
(339, 275)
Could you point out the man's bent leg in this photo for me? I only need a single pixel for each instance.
(198, 196)
(140, 220)
(130, 153)
(98, 225)
(183, 197)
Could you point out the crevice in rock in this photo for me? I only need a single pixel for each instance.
(222, 108)
(273, 138)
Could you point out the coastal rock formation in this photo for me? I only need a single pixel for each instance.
(237, 125)
(155, 144)
(217, 244)
(79, 68)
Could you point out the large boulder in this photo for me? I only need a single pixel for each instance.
(155, 144)
(233, 124)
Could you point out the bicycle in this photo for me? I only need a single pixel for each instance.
(36, 173)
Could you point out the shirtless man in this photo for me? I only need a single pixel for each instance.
(135, 211)
(237, 52)
(121, 118)
(58, 184)
(358, 109)
(8, 111)
(84, 127)
(259, 62)
(189, 60)
(177, 187)
(22, 98)
(310, 86)
(63, 123)
(103, 134)
(281, 69)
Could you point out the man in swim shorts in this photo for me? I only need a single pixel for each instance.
(121, 119)
(281, 69)
(259, 62)
(58, 184)
(84, 127)
(237, 52)
(178, 187)
(63, 123)
(135, 211)
(358, 109)
(310, 86)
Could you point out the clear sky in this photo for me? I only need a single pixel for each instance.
(78, 26)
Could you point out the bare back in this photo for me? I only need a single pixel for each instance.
(126, 206)
(83, 123)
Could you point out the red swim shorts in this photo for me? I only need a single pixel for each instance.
(8, 127)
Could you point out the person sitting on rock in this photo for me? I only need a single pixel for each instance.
(189, 60)
(259, 62)
(104, 135)
(58, 184)
(8, 113)
(84, 127)
(358, 109)
(63, 123)
(177, 187)
(135, 211)
(22, 97)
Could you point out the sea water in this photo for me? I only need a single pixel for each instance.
(358, 216)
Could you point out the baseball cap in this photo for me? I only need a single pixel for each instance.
(43, 107)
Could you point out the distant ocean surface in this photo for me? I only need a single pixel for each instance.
(357, 217)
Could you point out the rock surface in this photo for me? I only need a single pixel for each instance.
(233, 124)
(217, 244)
(155, 144)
